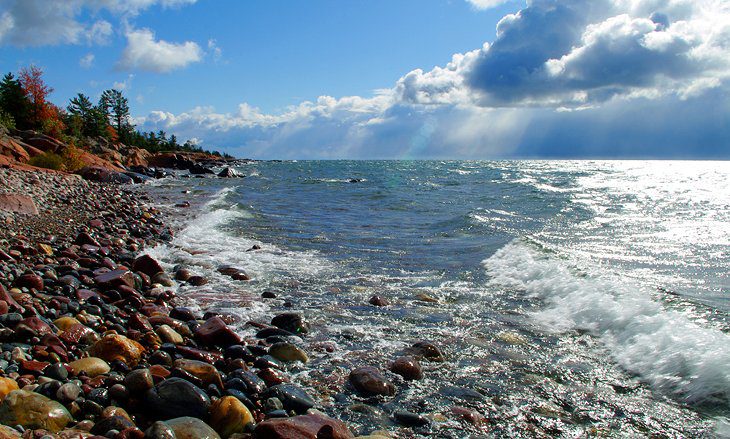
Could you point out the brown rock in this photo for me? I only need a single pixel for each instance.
(117, 347)
(427, 350)
(368, 380)
(379, 301)
(407, 367)
(33, 410)
(147, 265)
(228, 415)
(18, 203)
(30, 281)
(215, 332)
(92, 366)
(115, 278)
(191, 428)
(7, 298)
(7, 385)
(314, 426)
(205, 372)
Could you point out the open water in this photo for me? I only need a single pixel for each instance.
(571, 298)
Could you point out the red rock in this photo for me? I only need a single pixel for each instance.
(468, 415)
(84, 238)
(35, 325)
(408, 368)
(215, 332)
(115, 278)
(314, 426)
(84, 294)
(151, 309)
(199, 354)
(272, 377)
(158, 372)
(370, 381)
(76, 333)
(12, 148)
(29, 281)
(18, 204)
(379, 301)
(5, 257)
(33, 367)
(45, 143)
(4, 308)
(7, 298)
(147, 265)
(139, 322)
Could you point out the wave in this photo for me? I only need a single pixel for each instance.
(668, 350)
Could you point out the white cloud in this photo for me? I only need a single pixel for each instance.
(51, 22)
(143, 52)
(487, 4)
(124, 85)
(87, 61)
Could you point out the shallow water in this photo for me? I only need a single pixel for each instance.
(573, 298)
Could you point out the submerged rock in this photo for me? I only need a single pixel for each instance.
(369, 381)
(288, 352)
(291, 322)
(291, 396)
(407, 367)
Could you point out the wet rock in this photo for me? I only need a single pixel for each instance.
(147, 265)
(117, 347)
(169, 335)
(379, 301)
(291, 322)
(288, 352)
(215, 332)
(163, 279)
(159, 430)
(68, 392)
(427, 351)
(30, 281)
(369, 381)
(197, 281)
(57, 371)
(468, 415)
(139, 381)
(191, 428)
(183, 274)
(176, 397)
(268, 295)
(291, 396)
(118, 423)
(7, 385)
(233, 272)
(273, 332)
(33, 410)
(183, 314)
(91, 366)
(407, 367)
(228, 415)
(115, 278)
(229, 172)
(205, 372)
(313, 426)
(411, 419)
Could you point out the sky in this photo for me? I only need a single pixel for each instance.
(396, 79)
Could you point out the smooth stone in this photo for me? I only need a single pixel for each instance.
(291, 396)
(191, 428)
(288, 352)
(407, 367)
(197, 281)
(175, 397)
(115, 278)
(33, 410)
(139, 381)
(205, 372)
(228, 415)
(163, 279)
(117, 347)
(169, 335)
(68, 392)
(92, 366)
(7, 385)
(378, 301)
(57, 371)
(118, 423)
(369, 381)
(215, 332)
(291, 322)
(30, 281)
(147, 265)
(312, 426)
(411, 419)
(427, 350)
(159, 430)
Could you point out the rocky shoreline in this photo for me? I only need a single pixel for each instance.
(94, 344)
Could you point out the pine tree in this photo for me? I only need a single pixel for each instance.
(116, 108)
(14, 102)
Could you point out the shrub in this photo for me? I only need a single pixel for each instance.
(47, 160)
(72, 159)
(7, 120)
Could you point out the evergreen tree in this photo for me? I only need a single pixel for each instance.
(116, 108)
(93, 119)
(14, 102)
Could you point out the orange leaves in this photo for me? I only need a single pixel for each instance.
(44, 115)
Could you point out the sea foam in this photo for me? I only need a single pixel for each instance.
(665, 348)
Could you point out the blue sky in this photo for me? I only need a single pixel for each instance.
(396, 78)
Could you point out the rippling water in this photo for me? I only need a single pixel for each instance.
(571, 298)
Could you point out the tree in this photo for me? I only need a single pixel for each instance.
(43, 115)
(14, 102)
(93, 119)
(116, 108)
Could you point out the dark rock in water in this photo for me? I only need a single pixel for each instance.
(270, 332)
(233, 272)
(267, 361)
(200, 170)
(175, 397)
(104, 175)
(379, 301)
(291, 322)
(197, 281)
(215, 332)
(411, 419)
(427, 351)
(183, 274)
(355, 180)
(147, 265)
(369, 381)
(254, 248)
(137, 178)
(314, 426)
(291, 396)
(268, 295)
(246, 381)
(229, 172)
(461, 393)
(407, 367)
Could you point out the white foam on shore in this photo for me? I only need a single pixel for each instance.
(665, 348)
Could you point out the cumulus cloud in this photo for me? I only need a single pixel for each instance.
(641, 71)
(44, 22)
(143, 52)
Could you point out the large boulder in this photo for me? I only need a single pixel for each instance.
(104, 175)
(18, 203)
(312, 426)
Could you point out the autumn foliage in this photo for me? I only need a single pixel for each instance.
(43, 115)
